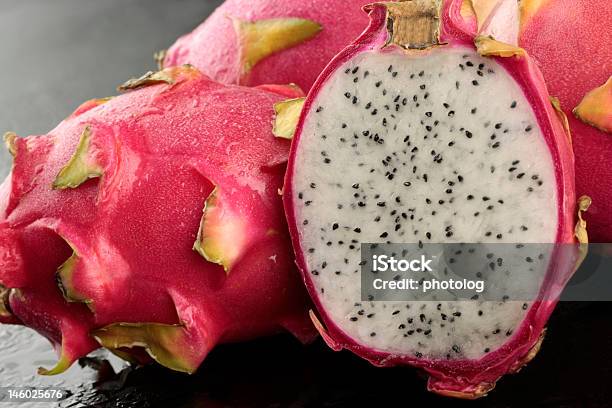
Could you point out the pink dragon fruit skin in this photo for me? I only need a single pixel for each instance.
(216, 48)
(572, 69)
(469, 378)
(100, 217)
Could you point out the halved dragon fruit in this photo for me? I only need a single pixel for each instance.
(152, 221)
(254, 42)
(421, 132)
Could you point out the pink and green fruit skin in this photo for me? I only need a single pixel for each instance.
(152, 220)
(572, 42)
(217, 48)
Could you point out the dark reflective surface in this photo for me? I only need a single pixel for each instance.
(573, 369)
(56, 54)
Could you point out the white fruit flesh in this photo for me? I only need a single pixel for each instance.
(462, 152)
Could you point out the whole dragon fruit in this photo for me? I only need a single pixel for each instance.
(421, 132)
(254, 42)
(578, 72)
(152, 222)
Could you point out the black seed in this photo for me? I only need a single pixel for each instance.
(513, 104)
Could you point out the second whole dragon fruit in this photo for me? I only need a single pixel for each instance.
(421, 132)
(254, 42)
(152, 222)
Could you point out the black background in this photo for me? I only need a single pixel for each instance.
(54, 54)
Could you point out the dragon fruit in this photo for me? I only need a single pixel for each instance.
(254, 42)
(152, 222)
(583, 90)
(422, 132)
(579, 73)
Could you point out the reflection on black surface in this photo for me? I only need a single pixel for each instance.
(573, 369)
